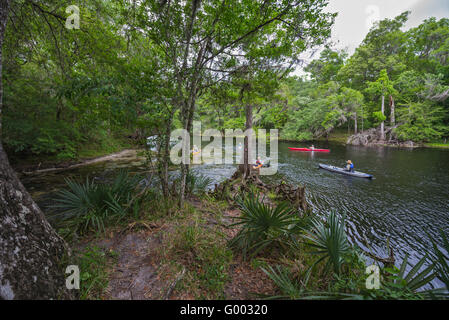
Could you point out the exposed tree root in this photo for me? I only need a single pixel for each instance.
(229, 189)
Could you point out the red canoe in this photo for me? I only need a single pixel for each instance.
(310, 150)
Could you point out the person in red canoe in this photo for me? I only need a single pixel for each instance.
(312, 147)
(349, 166)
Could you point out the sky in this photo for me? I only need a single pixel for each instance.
(355, 17)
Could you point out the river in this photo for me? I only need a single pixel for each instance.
(406, 203)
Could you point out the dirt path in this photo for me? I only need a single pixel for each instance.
(135, 275)
(139, 274)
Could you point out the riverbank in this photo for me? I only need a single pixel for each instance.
(335, 137)
(87, 154)
(339, 138)
(159, 250)
(437, 145)
(186, 253)
(342, 138)
(176, 254)
(127, 154)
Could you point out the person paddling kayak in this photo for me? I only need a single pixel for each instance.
(349, 166)
(258, 165)
(312, 147)
(196, 150)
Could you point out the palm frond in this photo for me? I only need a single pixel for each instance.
(91, 205)
(330, 240)
(262, 225)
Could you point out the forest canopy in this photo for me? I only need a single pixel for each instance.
(408, 68)
(123, 75)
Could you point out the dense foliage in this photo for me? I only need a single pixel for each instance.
(68, 89)
(407, 69)
(141, 68)
(318, 262)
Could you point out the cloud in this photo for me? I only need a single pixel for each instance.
(355, 16)
(425, 9)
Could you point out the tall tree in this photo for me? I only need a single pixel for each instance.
(352, 101)
(30, 250)
(382, 87)
(326, 68)
(204, 45)
(383, 48)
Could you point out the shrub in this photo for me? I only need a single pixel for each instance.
(289, 287)
(330, 240)
(263, 225)
(442, 260)
(399, 285)
(93, 263)
(91, 205)
(197, 183)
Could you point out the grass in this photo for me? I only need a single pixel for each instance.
(200, 249)
(94, 264)
(437, 145)
(306, 260)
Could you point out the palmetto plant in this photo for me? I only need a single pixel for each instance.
(330, 241)
(398, 284)
(290, 288)
(293, 288)
(124, 184)
(262, 225)
(442, 260)
(89, 205)
(79, 199)
(414, 279)
(197, 183)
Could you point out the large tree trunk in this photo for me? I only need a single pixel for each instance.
(355, 123)
(30, 250)
(188, 116)
(382, 125)
(362, 118)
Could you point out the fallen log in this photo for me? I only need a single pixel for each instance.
(114, 156)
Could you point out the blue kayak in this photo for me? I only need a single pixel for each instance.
(343, 171)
